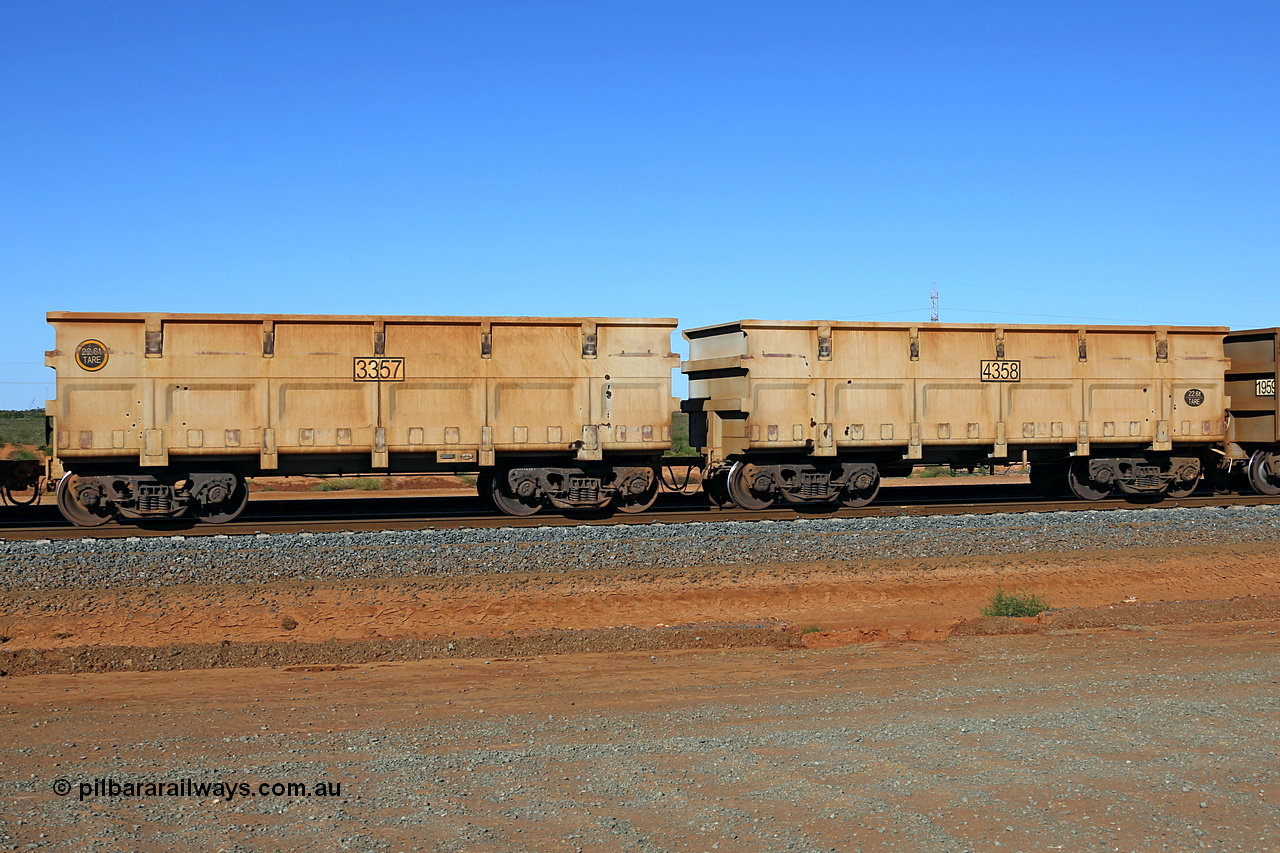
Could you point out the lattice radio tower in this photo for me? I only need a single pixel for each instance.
(933, 303)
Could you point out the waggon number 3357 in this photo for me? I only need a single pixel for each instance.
(378, 369)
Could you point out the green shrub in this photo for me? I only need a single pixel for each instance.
(812, 629)
(23, 454)
(1014, 604)
(21, 426)
(680, 436)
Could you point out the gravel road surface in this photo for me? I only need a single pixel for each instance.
(1155, 738)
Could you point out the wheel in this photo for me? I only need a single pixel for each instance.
(1262, 473)
(77, 513)
(716, 489)
(741, 490)
(1081, 486)
(855, 497)
(1048, 478)
(511, 504)
(636, 503)
(1184, 491)
(225, 510)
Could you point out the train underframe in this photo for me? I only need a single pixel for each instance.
(757, 482)
(1174, 475)
(90, 498)
(522, 487)
(1131, 472)
(94, 493)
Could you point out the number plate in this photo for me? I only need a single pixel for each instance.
(1266, 387)
(1000, 371)
(378, 369)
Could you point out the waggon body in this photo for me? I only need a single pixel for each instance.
(811, 394)
(162, 395)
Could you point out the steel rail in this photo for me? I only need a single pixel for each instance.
(464, 516)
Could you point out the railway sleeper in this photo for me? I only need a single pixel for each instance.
(215, 497)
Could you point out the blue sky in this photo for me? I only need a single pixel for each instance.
(1040, 161)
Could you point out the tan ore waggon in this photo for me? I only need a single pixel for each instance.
(159, 415)
(817, 412)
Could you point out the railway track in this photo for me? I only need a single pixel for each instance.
(318, 515)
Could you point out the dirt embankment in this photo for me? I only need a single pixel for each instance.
(805, 605)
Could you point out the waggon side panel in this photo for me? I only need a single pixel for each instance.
(633, 387)
(907, 386)
(440, 406)
(236, 386)
(107, 411)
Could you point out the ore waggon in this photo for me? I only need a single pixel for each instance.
(819, 412)
(161, 415)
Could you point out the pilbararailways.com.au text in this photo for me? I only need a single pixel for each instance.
(221, 789)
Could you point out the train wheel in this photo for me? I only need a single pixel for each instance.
(716, 489)
(1263, 476)
(637, 503)
(1081, 486)
(1183, 490)
(855, 497)
(743, 492)
(74, 510)
(224, 510)
(511, 504)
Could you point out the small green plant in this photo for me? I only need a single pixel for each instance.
(467, 479)
(360, 484)
(21, 454)
(62, 635)
(812, 629)
(1004, 603)
(680, 445)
